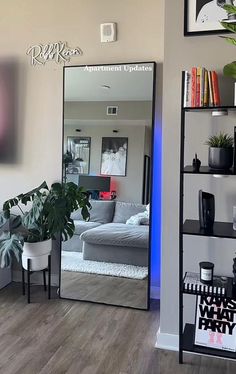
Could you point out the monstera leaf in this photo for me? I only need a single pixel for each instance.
(3, 220)
(230, 70)
(10, 245)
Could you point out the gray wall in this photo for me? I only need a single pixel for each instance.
(96, 110)
(128, 188)
(181, 54)
(41, 88)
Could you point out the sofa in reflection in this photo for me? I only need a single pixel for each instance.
(108, 237)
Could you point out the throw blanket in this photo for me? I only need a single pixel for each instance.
(140, 218)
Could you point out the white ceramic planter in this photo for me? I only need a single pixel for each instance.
(37, 253)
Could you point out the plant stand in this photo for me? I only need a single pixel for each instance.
(29, 272)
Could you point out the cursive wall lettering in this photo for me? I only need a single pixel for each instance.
(58, 52)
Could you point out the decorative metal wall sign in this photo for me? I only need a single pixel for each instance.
(58, 52)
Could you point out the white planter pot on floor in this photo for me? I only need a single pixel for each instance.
(38, 255)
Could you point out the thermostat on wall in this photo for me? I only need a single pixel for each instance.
(108, 32)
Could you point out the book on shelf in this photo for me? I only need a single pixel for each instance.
(201, 88)
(215, 89)
(187, 94)
(192, 284)
(215, 323)
(194, 86)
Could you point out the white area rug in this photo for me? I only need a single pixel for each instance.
(73, 261)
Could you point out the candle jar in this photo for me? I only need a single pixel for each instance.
(206, 272)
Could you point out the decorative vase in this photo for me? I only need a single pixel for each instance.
(220, 158)
(37, 253)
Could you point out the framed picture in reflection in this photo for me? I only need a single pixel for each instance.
(79, 148)
(114, 156)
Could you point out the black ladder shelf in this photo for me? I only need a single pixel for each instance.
(191, 227)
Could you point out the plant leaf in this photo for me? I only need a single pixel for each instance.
(3, 220)
(29, 196)
(230, 70)
(229, 26)
(229, 40)
(230, 9)
(220, 141)
(10, 245)
(30, 218)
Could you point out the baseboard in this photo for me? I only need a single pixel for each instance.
(155, 293)
(169, 342)
(36, 278)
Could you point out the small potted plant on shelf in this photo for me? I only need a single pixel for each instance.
(220, 154)
(29, 234)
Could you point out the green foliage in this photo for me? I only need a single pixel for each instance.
(220, 141)
(10, 245)
(49, 215)
(230, 9)
(230, 69)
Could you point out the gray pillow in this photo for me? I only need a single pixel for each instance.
(123, 211)
(101, 211)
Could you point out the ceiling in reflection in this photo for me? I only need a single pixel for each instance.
(82, 84)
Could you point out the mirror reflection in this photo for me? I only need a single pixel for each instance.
(107, 150)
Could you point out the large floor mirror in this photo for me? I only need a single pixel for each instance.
(107, 149)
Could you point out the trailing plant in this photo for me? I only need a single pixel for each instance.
(49, 215)
(220, 141)
(230, 69)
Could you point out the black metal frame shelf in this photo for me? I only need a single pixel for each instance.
(192, 227)
(220, 229)
(188, 169)
(229, 108)
(189, 346)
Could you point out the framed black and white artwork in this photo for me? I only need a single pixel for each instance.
(79, 148)
(204, 16)
(114, 156)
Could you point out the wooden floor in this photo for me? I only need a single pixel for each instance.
(60, 336)
(104, 289)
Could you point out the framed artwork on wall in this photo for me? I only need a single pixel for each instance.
(114, 156)
(79, 148)
(204, 16)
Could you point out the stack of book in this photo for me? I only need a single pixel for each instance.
(219, 287)
(201, 88)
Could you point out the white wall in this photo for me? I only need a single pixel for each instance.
(128, 188)
(181, 54)
(28, 22)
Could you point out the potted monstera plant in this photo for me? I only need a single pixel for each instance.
(29, 234)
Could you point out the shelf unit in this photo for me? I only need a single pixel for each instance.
(191, 227)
